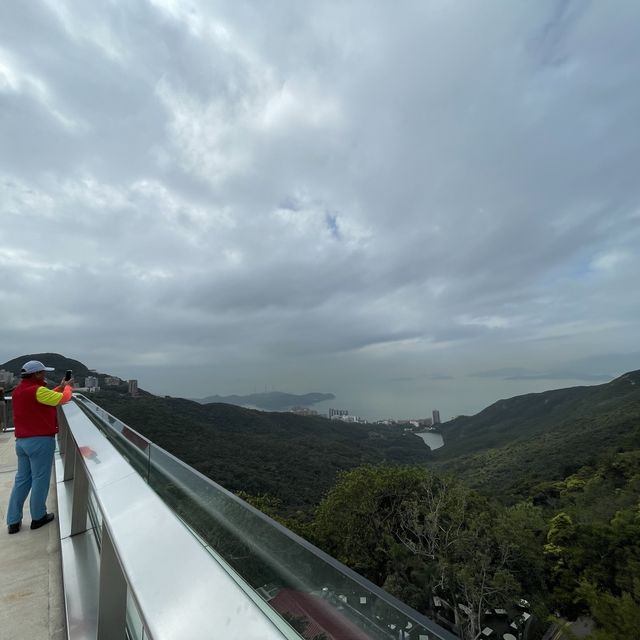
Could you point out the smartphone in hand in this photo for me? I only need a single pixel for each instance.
(68, 375)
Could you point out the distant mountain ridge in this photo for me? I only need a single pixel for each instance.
(270, 401)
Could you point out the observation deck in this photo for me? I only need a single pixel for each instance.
(145, 547)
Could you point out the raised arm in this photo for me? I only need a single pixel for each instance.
(53, 397)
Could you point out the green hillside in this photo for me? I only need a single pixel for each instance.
(514, 444)
(56, 360)
(292, 458)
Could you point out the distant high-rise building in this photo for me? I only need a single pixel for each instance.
(345, 417)
(91, 382)
(133, 387)
(6, 378)
(436, 416)
(338, 412)
(112, 381)
(303, 411)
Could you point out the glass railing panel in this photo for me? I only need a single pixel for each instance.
(297, 581)
(95, 516)
(135, 627)
(113, 422)
(311, 590)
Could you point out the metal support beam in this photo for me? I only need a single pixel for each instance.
(3, 411)
(63, 431)
(68, 457)
(80, 495)
(112, 600)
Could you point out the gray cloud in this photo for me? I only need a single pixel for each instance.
(274, 192)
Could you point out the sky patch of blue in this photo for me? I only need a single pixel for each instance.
(331, 221)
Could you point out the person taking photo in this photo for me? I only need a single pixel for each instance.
(35, 419)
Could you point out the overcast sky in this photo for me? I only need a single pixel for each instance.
(379, 200)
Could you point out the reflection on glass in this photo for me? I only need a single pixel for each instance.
(131, 445)
(95, 517)
(135, 627)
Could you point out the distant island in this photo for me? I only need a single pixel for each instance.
(271, 401)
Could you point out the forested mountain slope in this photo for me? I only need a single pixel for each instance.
(514, 444)
(59, 362)
(292, 458)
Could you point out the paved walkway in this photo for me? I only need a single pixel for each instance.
(31, 599)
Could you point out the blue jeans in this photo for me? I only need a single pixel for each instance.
(35, 458)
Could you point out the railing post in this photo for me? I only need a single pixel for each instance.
(3, 411)
(69, 457)
(6, 414)
(112, 599)
(80, 496)
(63, 431)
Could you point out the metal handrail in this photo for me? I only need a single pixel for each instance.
(263, 532)
(138, 561)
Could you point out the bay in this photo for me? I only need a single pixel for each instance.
(432, 439)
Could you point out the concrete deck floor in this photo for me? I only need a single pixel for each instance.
(31, 595)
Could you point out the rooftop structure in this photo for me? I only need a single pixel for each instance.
(133, 387)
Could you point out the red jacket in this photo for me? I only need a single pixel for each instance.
(34, 408)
